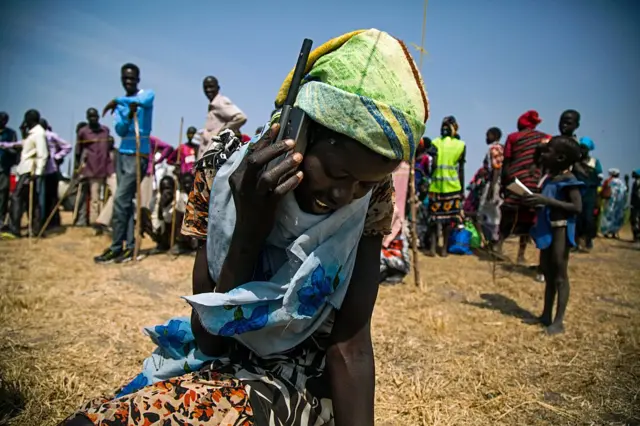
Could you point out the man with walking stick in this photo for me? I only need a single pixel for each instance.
(132, 112)
(32, 163)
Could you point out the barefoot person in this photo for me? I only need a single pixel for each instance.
(294, 335)
(558, 205)
(134, 102)
(519, 162)
(445, 190)
(223, 114)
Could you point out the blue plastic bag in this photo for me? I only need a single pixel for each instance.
(460, 241)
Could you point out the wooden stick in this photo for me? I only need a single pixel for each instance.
(414, 218)
(177, 189)
(412, 182)
(32, 179)
(138, 236)
(60, 201)
(76, 205)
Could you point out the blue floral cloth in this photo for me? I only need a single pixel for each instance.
(614, 206)
(302, 277)
(304, 273)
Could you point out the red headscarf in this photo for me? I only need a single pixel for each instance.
(529, 120)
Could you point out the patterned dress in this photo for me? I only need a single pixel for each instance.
(241, 389)
(614, 205)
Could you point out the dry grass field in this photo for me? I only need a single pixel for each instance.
(454, 353)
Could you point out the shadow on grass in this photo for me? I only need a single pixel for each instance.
(12, 401)
(502, 304)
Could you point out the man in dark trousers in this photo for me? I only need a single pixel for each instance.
(33, 160)
(125, 108)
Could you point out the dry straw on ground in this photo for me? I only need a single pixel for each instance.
(456, 353)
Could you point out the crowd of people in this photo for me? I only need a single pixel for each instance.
(104, 177)
(490, 209)
(281, 306)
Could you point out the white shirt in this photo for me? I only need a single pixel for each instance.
(34, 152)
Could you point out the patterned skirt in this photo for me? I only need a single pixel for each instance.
(445, 207)
(241, 390)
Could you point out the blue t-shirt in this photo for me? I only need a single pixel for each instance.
(125, 127)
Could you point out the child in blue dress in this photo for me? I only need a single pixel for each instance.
(559, 204)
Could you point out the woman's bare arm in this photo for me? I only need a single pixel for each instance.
(350, 356)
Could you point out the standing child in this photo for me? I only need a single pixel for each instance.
(559, 204)
(188, 152)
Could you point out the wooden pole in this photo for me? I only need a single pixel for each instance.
(60, 201)
(177, 188)
(138, 236)
(32, 179)
(412, 180)
(76, 205)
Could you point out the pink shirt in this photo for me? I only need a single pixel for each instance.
(187, 157)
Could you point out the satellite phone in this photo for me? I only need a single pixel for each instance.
(294, 122)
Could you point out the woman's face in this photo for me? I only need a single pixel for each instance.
(338, 170)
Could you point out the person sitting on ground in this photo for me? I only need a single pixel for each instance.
(280, 331)
(554, 233)
(158, 226)
(394, 258)
(588, 171)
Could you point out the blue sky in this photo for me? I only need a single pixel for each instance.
(488, 60)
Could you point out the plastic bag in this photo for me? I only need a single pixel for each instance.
(460, 241)
(476, 240)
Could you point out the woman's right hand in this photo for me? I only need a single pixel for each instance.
(257, 190)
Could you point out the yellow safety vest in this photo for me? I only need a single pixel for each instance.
(445, 177)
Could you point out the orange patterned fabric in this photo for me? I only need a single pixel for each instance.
(201, 398)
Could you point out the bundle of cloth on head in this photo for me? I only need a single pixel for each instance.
(364, 85)
(529, 120)
(614, 172)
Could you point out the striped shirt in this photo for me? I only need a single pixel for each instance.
(519, 151)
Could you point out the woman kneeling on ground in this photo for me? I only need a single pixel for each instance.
(282, 304)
